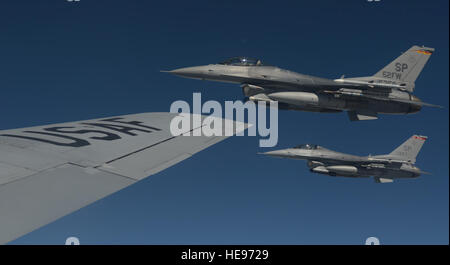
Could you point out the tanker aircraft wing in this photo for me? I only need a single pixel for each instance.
(49, 171)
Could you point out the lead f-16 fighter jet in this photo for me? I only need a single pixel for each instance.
(389, 91)
(384, 168)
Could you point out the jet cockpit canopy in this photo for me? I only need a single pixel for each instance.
(306, 146)
(242, 61)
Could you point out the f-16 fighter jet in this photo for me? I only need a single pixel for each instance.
(389, 91)
(384, 168)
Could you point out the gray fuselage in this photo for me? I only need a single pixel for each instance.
(303, 92)
(324, 161)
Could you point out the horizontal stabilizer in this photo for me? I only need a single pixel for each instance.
(400, 100)
(383, 180)
(420, 103)
(362, 115)
(420, 171)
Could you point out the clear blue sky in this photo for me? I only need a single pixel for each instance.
(63, 61)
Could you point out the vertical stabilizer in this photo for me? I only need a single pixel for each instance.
(407, 67)
(409, 149)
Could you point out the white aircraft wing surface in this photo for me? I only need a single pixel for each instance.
(49, 171)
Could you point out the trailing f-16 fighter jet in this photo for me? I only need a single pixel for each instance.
(389, 91)
(384, 168)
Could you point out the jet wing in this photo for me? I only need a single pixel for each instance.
(47, 172)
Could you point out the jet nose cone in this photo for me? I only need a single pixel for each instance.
(189, 72)
(278, 153)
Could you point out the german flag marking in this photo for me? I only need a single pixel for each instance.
(424, 52)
